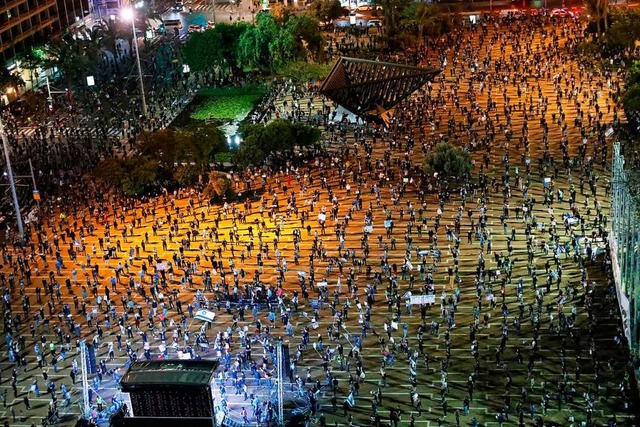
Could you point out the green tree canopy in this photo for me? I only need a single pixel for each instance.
(160, 145)
(218, 185)
(425, 20)
(634, 74)
(278, 136)
(624, 31)
(392, 13)
(199, 142)
(327, 10)
(132, 174)
(598, 12)
(253, 45)
(9, 79)
(74, 58)
(270, 44)
(184, 154)
(141, 174)
(306, 32)
(215, 46)
(450, 163)
(631, 99)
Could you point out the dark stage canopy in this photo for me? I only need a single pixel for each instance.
(372, 88)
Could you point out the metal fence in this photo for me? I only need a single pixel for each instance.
(624, 240)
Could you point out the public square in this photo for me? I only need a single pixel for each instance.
(524, 328)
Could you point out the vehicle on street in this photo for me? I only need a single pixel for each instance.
(195, 28)
(560, 12)
(173, 23)
(374, 23)
(513, 13)
(178, 6)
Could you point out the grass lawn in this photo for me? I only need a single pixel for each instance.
(228, 103)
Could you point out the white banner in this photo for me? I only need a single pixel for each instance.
(423, 299)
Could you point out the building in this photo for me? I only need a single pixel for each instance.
(108, 9)
(24, 23)
(71, 11)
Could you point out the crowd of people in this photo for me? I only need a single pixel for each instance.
(325, 251)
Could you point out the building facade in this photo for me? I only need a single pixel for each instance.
(24, 23)
(71, 11)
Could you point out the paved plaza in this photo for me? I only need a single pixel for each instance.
(525, 325)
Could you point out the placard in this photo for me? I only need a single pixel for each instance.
(423, 299)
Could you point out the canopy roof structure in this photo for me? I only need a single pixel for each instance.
(373, 88)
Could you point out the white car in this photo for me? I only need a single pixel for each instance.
(374, 23)
(514, 13)
(195, 28)
(560, 12)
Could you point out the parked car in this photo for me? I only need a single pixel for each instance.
(513, 13)
(195, 28)
(560, 12)
(374, 23)
(172, 23)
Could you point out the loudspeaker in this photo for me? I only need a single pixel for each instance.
(286, 360)
(92, 366)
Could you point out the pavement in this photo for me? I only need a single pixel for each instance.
(490, 390)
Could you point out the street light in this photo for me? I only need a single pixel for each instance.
(128, 14)
(12, 184)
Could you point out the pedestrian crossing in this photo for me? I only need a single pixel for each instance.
(208, 7)
(29, 132)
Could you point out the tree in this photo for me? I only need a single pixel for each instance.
(631, 99)
(624, 31)
(598, 11)
(278, 136)
(160, 145)
(327, 10)
(202, 50)
(33, 60)
(270, 45)
(216, 46)
(198, 143)
(282, 48)
(426, 20)
(230, 35)
(447, 163)
(281, 12)
(110, 170)
(392, 12)
(633, 76)
(306, 32)
(253, 46)
(9, 79)
(219, 184)
(72, 58)
(141, 174)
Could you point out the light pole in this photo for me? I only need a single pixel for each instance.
(12, 184)
(128, 14)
